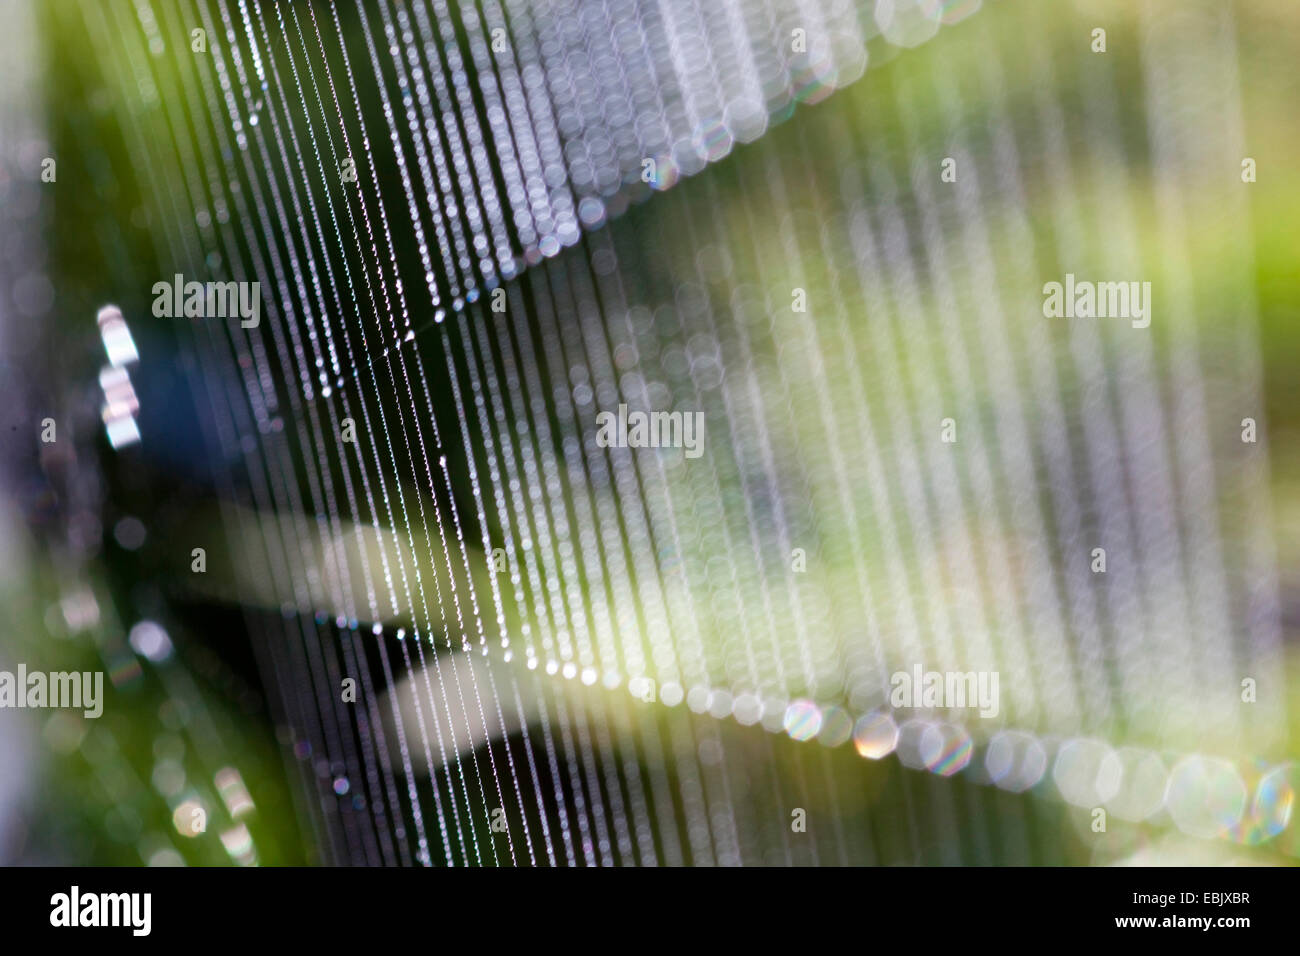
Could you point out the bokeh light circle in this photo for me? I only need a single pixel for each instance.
(803, 720)
(875, 735)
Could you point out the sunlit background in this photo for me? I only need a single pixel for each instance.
(438, 623)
